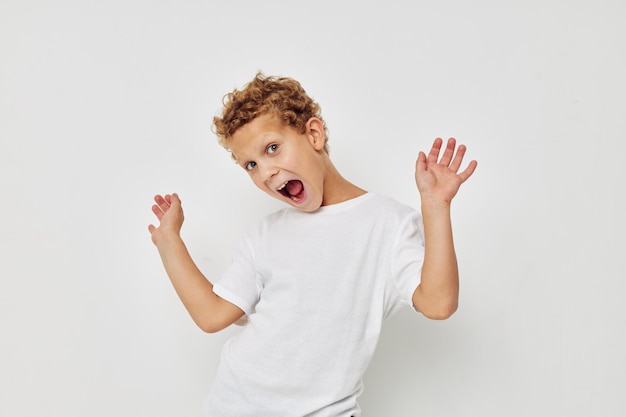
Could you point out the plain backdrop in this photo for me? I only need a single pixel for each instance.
(104, 104)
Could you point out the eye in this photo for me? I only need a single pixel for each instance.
(249, 166)
(272, 148)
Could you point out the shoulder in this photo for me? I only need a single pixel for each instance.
(259, 228)
(391, 207)
(401, 222)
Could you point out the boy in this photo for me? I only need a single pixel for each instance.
(313, 281)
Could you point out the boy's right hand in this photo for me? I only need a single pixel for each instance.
(169, 211)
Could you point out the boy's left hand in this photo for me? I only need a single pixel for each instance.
(438, 179)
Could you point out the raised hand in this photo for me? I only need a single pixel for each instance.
(439, 179)
(169, 212)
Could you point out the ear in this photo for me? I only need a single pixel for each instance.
(316, 134)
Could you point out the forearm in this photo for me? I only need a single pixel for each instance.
(438, 293)
(192, 287)
(438, 179)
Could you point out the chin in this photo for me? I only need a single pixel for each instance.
(308, 209)
(308, 204)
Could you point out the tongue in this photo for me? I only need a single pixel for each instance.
(294, 187)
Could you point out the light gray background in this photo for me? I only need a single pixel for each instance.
(104, 104)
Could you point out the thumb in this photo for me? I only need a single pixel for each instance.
(420, 163)
(176, 204)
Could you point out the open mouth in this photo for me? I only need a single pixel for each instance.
(293, 189)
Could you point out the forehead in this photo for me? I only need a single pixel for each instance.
(251, 136)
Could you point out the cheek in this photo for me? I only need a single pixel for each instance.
(260, 184)
(257, 182)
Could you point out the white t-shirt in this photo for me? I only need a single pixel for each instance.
(315, 288)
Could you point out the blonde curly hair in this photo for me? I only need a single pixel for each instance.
(284, 97)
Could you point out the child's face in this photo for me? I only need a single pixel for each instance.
(282, 162)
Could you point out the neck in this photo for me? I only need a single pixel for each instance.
(337, 189)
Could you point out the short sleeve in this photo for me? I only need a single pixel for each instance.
(239, 283)
(408, 257)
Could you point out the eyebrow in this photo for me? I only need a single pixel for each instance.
(232, 155)
(264, 140)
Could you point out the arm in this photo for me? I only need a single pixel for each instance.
(210, 312)
(438, 182)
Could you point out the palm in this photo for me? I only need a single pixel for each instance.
(169, 212)
(439, 178)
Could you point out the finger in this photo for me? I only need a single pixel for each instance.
(433, 155)
(468, 171)
(420, 162)
(158, 211)
(458, 158)
(159, 199)
(177, 204)
(162, 202)
(151, 228)
(448, 153)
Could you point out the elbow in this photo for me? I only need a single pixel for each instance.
(437, 307)
(209, 326)
(442, 311)
(217, 318)
(209, 329)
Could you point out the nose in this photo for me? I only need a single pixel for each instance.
(269, 170)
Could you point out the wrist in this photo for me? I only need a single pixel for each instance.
(434, 204)
(165, 238)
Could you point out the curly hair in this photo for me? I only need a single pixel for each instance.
(284, 97)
